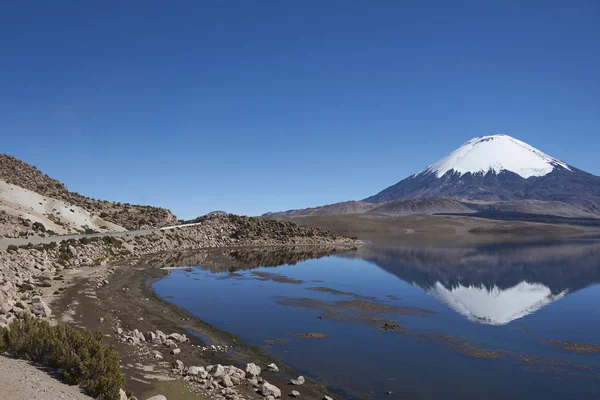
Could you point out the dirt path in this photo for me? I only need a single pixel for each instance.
(21, 380)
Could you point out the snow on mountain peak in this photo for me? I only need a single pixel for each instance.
(496, 153)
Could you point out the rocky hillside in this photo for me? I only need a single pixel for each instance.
(129, 216)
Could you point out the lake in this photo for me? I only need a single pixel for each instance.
(490, 321)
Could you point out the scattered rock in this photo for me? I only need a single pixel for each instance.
(226, 381)
(252, 370)
(270, 390)
(157, 397)
(175, 351)
(295, 393)
(195, 370)
(178, 365)
(272, 367)
(40, 308)
(299, 381)
(218, 371)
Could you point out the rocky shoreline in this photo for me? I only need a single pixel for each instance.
(33, 278)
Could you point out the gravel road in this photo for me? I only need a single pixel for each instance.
(5, 242)
(20, 380)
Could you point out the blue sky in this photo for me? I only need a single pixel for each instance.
(255, 106)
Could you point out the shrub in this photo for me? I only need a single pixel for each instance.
(103, 214)
(79, 355)
(12, 247)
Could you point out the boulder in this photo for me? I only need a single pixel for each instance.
(151, 337)
(39, 308)
(175, 351)
(122, 395)
(226, 381)
(295, 393)
(252, 370)
(218, 371)
(270, 390)
(157, 397)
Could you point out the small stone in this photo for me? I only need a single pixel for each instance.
(272, 367)
(327, 398)
(101, 320)
(157, 397)
(295, 393)
(175, 351)
(299, 381)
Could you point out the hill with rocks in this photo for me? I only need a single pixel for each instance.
(27, 196)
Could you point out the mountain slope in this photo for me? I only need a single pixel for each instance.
(19, 173)
(498, 168)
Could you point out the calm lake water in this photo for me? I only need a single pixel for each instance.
(464, 323)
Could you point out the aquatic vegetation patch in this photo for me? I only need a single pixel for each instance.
(311, 335)
(363, 310)
(267, 276)
(582, 348)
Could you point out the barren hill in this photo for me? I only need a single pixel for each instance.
(111, 214)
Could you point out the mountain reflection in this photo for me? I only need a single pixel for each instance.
(494, 284)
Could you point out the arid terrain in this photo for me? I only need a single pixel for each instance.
(424, 229)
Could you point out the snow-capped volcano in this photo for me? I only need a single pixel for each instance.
(498, 168)
(495, 154)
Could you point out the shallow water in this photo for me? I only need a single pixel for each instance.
(469, 322)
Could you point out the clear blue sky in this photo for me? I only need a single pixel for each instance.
(254, 106)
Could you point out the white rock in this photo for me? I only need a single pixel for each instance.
(122, 395)
(157, 397)
(226, 381)
(295, 393)
(39, 308)
(272, 367)
(299, 381)
(218, 371)
(175, 351)
(252, 370)
(178, 365)
(270, 390)
(195, 370)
